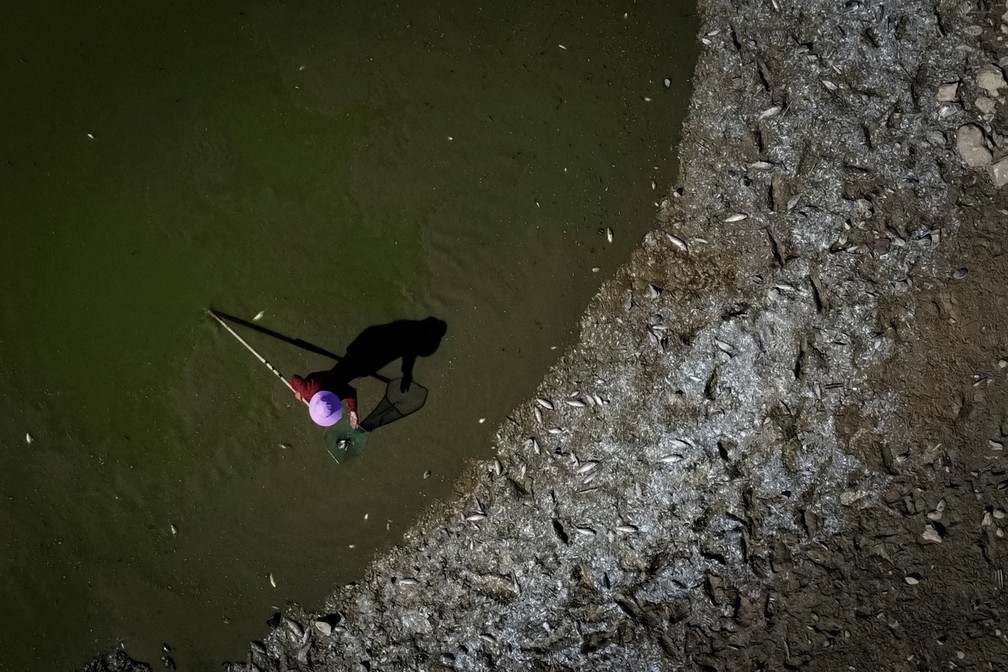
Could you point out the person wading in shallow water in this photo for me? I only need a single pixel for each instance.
(325, 391)
(373, 349)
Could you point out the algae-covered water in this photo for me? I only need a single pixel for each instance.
(338, 166)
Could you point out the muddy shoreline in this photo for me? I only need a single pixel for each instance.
(779, 441)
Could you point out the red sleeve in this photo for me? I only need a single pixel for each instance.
(305, 387)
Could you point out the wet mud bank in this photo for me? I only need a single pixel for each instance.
(779, 443)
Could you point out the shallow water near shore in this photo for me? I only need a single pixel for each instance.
(336, 168)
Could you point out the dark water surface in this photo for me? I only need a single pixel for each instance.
(337, 165)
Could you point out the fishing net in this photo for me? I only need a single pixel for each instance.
(396, 404)
(345, 443)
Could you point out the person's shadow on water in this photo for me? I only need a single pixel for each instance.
(378, 346)
(372, 350)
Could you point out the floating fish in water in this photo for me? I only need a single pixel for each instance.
(174, 530)
(272, 580)
(259, 316)
(28, 438)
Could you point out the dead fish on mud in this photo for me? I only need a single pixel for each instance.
(678, 242)
(737, 217)
(545, 403)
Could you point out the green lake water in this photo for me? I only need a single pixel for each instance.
(336, 165)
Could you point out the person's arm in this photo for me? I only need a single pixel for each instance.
(351, 403)
(299, 385)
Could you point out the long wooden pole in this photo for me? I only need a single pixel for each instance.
(253, 351)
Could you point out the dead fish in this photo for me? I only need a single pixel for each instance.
(576, 403)
(406, 582)
(562, 47)
(654, 291)
(737, 217)
(599, 400)
(587, 531)
(259, 316)
(587, 466)
(793, 201)
(538, 415)
(724, 347)
(174, 530)
(678, 242)
(545, 403)
(532, 445)
(295, 627)
(626, 529)
(670, 459)
(682, 444)
(556, 430)
(829, 85)
(272, 580)
(761, 165)
(475, 517)
(28, 438)
(769, 112)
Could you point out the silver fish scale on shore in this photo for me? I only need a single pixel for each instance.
(756, 423)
